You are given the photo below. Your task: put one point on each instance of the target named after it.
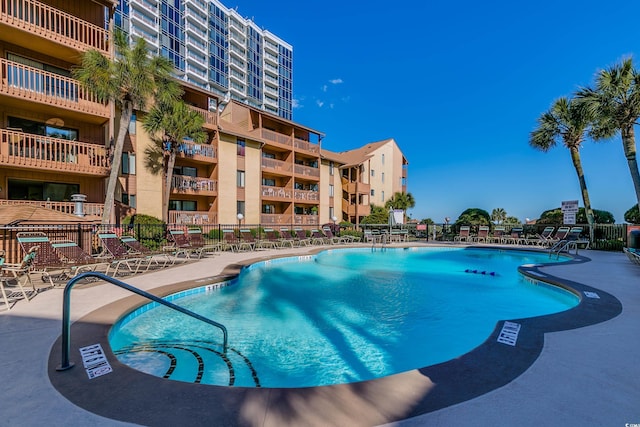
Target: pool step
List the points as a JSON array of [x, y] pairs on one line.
[[190, 361]]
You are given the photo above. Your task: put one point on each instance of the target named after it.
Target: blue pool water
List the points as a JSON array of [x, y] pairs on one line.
[[336, 317]]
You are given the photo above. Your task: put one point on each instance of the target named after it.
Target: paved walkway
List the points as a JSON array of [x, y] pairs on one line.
[[584, 377]]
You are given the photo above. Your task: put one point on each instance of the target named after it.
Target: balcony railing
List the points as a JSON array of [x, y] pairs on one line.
[[304, 145], [203, 152], [53, 24], [276, 165], [306, 170], [312, 196], [351, 208], [42, 152], [194, 185], [276, 192], [210, 117], [275, 219], [305, 219], [33, 84], [192, 217], [92, 209], [277, 137]]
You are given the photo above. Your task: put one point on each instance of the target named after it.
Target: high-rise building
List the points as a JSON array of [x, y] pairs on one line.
[[215, 48]]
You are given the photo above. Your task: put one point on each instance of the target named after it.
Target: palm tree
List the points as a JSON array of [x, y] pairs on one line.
[[498, 215], [402, 201], [128, 81], [615, 102], [176, 121], [569, 122]]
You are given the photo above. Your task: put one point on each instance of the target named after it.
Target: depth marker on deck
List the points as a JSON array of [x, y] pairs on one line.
[[591, 295], [94, 361], [509, 333]]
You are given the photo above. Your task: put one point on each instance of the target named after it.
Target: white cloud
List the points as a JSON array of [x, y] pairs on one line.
[[331, 105], [324, 88], [335, 81], [295, 103], [320, 103]]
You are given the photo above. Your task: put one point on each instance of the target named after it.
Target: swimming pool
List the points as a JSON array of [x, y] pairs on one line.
[[370, 315]]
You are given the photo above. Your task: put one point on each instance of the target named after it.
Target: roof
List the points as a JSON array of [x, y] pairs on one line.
[[30, 214], [359, 155]]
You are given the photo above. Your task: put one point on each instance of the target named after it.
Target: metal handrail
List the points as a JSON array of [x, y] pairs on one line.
[[66, 309]]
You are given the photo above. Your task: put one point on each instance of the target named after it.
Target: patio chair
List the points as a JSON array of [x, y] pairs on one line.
[[12, 277], [247, 241], [270, 240], [287, 239], [200, 246], [483, 234], [632, 254], [318, 237], [331, 238], [181, 245], [301, 236], [498, 235], [515, 236], [229, 241], [157, 260], [81, 261], [464, 235], [544, 238], [47, 263], [123, 262]]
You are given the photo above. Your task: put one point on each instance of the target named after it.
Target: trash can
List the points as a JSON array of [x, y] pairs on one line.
[[634, 239]]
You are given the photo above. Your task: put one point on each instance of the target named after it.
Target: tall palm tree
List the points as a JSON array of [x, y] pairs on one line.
[[128, 80], [615, 102], [498, 215], [569, 122], [176, 121]]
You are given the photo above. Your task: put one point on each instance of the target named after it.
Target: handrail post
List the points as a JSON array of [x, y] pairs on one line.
[[66, 309]]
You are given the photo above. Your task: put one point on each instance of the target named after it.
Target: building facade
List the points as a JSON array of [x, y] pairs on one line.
[[56, 139], [215, 48]]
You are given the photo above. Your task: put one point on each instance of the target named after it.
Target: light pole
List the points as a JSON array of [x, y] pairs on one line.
[[240, 217], [334, 219]]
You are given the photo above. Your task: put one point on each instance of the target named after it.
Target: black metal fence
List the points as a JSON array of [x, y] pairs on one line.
[[610, 237]]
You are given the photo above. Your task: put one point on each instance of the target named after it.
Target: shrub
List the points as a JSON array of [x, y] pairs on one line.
[[149, 230]]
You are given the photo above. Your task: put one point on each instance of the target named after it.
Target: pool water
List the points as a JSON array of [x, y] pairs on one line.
[[337, 317]]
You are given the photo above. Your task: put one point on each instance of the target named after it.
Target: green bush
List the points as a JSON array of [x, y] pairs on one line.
[[149, 230], [352, 233]]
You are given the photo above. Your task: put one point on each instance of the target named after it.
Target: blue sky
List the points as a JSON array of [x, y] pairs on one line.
[[459, 86]]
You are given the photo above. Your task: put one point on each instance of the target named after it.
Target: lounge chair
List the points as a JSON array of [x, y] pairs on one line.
[[464, 235], [483, 234], [80, 260], [12, 277], [46, 262], [229, 241], [181, 245], [247, 241], [515, 236], [333, 239], [287, 239], [632, 254], [196, 240], [156, 260], [301, 235], [122, 262], [270, 240], [318, 237], [498, 235]]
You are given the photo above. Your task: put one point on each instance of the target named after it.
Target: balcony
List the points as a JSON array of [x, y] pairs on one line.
[[306, 196], [192, 217], [277, 166], [276, 193], [34, 85], [353, 209], [199, 152], [357, 188], [210, 117], [90, 209], [307, 171], [181, 184], [23, 150], [37, 22], [305, 219], [275, 219], [280, 138], [306, 146]]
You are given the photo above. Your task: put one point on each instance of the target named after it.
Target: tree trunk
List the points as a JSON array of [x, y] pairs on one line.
[[125, 120], [629, 145], [577, 163], [167, 184]]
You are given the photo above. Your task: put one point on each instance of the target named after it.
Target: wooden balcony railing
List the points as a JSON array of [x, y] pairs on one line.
[[202, 152], [277, 137], [308, 171], [276, 165], [276, 192], [192, 217], [53, 24], [305, 219], [307, 146], [351, 208], [92, 209], [275, 219], [312, 196], [35, 85], [194, 185], [210, 117], [42, 152]]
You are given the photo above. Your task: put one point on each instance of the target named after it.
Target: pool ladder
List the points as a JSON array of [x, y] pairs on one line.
[[382, 240], [66, 312]]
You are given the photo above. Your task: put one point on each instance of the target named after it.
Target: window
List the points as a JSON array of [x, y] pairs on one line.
[[240, 206], [269, 182], [268, 209], [132, 124], [241, 146], [240, 179], [331, 213], [382, 177], [268, 155], [330, 190], [129, 199], [128, 165], [373, 192], [185, 171], [38, 128], [373, 172], [383, 159], [34, 190], [382, 198], [182, 205], [331, 168]]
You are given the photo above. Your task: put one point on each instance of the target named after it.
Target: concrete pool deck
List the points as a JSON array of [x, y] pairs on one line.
[[584, 376]]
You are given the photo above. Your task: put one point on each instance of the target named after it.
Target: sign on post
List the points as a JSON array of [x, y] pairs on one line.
[[569, 210]]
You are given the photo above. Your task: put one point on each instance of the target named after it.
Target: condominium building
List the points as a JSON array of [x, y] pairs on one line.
[[215, 48], [56, 139]]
